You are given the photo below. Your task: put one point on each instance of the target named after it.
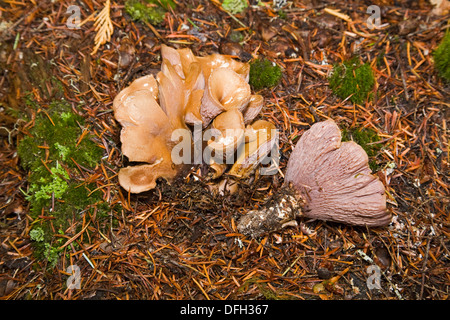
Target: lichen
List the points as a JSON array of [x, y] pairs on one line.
[[234, 6], [37, 234], [352, 79], [264, 74], [442, 57]]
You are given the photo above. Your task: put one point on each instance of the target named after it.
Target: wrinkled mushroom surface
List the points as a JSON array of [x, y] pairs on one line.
[[136, 109], [335, 178], [225, 90], [229, 133], [327, 180], [224, 81], [217, 95], [254, 108]]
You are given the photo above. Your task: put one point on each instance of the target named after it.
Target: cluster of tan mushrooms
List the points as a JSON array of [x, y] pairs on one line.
[[325, 179], [211, 92]]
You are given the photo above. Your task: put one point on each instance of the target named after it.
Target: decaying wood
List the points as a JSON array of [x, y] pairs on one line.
[[281, 211]]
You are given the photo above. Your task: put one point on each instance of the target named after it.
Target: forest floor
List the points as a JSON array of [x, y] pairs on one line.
[[179, 241]]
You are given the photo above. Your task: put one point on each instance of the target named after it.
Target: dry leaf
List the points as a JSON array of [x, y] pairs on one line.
[[103, 26]]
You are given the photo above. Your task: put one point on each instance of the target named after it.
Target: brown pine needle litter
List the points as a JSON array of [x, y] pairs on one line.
[[180, 241]]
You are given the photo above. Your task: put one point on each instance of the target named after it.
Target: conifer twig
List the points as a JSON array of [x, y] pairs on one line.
[[103, 26]]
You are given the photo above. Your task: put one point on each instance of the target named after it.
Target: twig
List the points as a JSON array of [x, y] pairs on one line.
[[103, 26], [424, 266]]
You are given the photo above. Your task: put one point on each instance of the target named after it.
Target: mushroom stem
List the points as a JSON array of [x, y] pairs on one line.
[[281, 211]]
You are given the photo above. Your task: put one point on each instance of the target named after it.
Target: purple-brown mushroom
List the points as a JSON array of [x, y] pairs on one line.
[[325, 179]]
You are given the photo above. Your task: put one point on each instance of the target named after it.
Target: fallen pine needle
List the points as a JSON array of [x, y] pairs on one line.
[[201, 288], [338, 14]]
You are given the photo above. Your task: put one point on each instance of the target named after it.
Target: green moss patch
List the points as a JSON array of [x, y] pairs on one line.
[[150, 11], [264, 74], [442, 57], [53, 150], [366, 138], [58, 130], [352, 79]]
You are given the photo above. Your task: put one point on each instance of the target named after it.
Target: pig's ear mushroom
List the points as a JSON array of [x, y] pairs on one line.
[[254, 108], [335, 179], [231, 132], [216, 61], [225, 90], [173, 58], [145, 136], [262, 137], [326, 180], [140, 178], [144, 123]]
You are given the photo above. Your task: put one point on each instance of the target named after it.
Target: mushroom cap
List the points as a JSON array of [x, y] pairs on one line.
[[225, 90], [137, 179], [145, 83], [218, 168], [188, 90], [144, 124], [215, 61], [147, 127], [194, 77], [254, 108], [224, 186], [261, 139], [173, 95], [335, 179], [231, 129], [186, 58], [192, 115], [182, 59], [173, 57]]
